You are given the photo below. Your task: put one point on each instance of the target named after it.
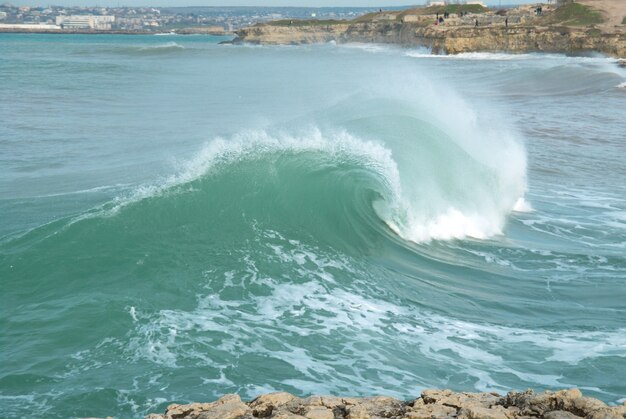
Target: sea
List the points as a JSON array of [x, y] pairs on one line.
[[181, 219]]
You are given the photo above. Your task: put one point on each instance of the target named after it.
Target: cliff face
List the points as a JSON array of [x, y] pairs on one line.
[[450, 40], [531, 39], [287, 35]]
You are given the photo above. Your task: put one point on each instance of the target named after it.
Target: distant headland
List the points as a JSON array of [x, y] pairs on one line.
[[569, 27]]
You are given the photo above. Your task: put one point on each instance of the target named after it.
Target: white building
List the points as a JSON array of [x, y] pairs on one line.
[[102, 23]]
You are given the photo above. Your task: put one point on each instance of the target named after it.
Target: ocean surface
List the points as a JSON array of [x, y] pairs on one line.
[[181, 219]]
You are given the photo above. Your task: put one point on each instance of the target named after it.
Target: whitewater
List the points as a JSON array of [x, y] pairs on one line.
[[181, 219]]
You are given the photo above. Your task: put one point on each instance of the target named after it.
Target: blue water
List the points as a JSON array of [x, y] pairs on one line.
[[181, 219]]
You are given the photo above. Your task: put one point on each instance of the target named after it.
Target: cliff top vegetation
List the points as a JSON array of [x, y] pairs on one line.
[[574, 14], [306, 22], [568, 13]]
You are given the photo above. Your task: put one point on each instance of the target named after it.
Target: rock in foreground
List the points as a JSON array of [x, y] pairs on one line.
[[564, 404]]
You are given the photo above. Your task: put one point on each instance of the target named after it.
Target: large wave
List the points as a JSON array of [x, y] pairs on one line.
[[427, 170], [433, 189]]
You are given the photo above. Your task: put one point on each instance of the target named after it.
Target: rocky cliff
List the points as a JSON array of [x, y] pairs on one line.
[[526, 39], [565, 404], [514, 39], [518, 31], [286, 35]]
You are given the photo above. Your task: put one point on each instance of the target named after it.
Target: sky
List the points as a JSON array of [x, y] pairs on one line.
[[303, 3]]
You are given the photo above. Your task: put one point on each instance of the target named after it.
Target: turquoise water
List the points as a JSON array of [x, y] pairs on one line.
[[182, 219]]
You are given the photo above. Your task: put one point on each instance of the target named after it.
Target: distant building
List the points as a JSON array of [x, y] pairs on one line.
[[3, 15], [102, 23], [436, 3], [478, 2]]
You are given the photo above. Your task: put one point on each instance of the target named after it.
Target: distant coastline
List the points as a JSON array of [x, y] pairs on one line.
[[571, 28]]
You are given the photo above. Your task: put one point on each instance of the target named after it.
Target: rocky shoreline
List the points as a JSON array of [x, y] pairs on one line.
[[564, 404], [514, 31]]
